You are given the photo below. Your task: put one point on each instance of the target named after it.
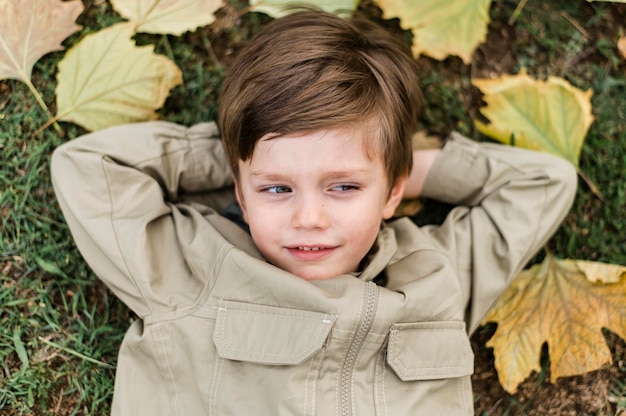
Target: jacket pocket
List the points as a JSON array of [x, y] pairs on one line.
[[268, 334], [430, 350], [426, 370], [268, 359]]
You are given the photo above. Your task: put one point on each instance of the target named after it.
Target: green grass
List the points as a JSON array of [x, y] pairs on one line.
[[60, 328], [53, 312]]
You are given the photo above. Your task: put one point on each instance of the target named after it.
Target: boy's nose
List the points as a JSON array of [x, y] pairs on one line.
[[310, 213]]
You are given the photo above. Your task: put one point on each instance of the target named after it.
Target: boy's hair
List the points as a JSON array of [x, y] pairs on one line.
[[313, 70]]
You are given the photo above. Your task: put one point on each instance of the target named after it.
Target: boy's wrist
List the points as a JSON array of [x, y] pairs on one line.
[[423, 161], [455, 175]]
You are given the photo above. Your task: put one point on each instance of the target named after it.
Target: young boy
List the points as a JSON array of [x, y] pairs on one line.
[[312, 303]]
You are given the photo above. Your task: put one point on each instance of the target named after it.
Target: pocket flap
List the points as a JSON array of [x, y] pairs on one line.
[[269, 334], [430, 350]]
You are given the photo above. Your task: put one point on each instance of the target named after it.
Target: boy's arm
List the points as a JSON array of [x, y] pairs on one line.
[[422, 162], [509, 202], [117, 189]]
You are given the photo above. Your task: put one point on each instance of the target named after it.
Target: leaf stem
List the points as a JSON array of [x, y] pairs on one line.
[[547, 250], [43, 105], [592, 186], [52, 120], [518, 10], [168, 47], [209, 47]]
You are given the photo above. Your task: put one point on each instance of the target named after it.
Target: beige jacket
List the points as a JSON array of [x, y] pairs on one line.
[[222, 332]]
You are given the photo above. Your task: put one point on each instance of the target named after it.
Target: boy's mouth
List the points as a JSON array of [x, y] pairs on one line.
[[311, 252]]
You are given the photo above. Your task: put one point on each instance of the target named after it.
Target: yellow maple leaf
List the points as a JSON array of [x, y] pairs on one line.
[[441, 27], [551, 116], [279, 8], [106, 80], [29, 29], [555, 303], [173, 17]]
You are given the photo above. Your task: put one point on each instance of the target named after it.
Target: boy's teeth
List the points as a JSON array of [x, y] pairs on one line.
[[309, 248]]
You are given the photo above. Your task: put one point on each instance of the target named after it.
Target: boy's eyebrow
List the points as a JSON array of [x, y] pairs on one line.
[[336, 174], [267, 175]]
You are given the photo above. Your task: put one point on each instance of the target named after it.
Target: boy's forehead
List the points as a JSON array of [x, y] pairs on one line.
[[366, 138]]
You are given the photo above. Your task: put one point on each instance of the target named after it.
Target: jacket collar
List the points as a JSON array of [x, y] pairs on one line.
[[380, 255]]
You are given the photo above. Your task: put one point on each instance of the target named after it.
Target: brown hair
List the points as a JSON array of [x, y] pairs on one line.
[[313, 70]]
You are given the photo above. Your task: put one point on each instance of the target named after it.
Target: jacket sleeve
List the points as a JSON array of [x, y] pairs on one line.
[[118, 190], [509, 201]]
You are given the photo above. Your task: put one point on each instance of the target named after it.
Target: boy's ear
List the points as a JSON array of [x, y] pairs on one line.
[[395, 197], [240, 201]]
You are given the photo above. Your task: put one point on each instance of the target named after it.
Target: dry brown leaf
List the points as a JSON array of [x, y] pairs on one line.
[[29, 29], [408, 207], [556, 303]]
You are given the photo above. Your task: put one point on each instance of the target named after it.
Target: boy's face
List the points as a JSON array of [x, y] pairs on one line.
[[315, 201]]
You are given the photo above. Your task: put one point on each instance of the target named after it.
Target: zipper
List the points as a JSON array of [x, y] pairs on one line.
[[367, 319]]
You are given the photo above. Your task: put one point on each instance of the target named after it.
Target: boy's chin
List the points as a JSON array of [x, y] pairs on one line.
[[317, 274], [315, 270]]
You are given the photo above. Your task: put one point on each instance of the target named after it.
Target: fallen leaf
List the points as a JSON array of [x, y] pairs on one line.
[[551, 116], [621, 45], [106, 80], [173, 17], [29, 29], [601, 272], [421, 140], [279, 8], [441, 27], [555, 303], [408, 207]]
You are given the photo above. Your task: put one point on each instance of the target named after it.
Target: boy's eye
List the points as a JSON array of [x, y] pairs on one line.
[[276, 189], [345, 187]]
